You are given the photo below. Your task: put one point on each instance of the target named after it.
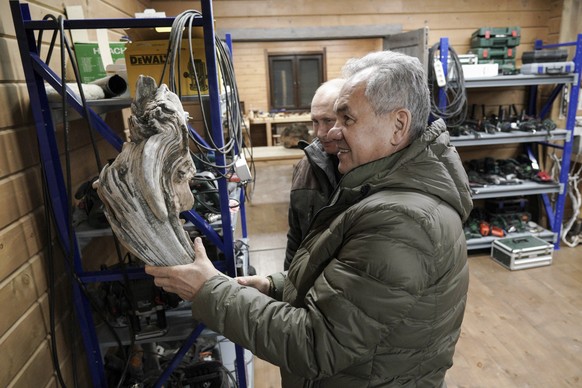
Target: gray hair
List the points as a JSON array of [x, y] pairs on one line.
[[393, 81]]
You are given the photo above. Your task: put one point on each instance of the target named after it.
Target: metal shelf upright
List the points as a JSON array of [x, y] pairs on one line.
[[37, 72], [555, 212]]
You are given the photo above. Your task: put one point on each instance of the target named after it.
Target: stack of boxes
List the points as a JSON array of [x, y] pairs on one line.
[[496, 45]]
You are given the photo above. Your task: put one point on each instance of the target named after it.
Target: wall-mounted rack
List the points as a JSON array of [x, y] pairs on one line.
[[37, 72]]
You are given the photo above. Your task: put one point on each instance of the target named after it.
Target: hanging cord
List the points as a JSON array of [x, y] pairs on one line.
[[53, 38], [51, 281], [574, 180], [455, 111], [71, 237], [233, 117], [49, 239], [67, 46]]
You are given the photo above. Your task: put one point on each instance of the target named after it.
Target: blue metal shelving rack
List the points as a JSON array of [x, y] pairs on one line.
[[555, 212], [37, 72]]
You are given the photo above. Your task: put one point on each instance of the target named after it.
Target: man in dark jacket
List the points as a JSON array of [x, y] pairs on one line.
[[376, 292], [316, 175]]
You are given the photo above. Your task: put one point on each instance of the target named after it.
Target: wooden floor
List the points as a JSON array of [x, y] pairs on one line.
[[521, 328]]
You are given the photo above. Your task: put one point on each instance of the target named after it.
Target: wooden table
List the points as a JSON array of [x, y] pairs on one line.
[[269, 121]]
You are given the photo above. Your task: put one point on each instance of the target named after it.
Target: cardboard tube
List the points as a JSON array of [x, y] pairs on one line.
[[113, 85]]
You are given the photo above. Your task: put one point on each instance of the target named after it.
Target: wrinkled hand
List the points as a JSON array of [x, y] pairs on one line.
[[261, 283], [185, 280]]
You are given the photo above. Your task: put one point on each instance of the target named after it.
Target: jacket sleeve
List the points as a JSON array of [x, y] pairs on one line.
[[293, 236], [294, 215], [346, 313]]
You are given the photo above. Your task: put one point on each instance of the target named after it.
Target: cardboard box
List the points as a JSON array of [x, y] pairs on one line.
[[89, 59], [522, 252], [149, 56], [480, 70]]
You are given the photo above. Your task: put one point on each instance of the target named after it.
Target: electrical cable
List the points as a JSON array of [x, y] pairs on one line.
[[574, 180], [51, 282], [129, 296], [50, 256], [455, 110], [53, 38], [64, 111], [233, 116]]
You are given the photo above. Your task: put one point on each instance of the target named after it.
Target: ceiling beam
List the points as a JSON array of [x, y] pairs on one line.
[[310, 33]]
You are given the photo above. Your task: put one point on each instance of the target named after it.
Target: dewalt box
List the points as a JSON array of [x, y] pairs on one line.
[[149, 56], [522, 252]]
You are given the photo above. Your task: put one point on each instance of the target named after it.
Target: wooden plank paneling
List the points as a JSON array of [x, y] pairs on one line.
[[436, 21], [35, 373], [20, 193], [18, 150], [101, 250], [37, 12], [39, 275], [493, 99], [128, 8], [258, 8], [25, 356], [456, 20], [252, 80], [14, 98], [63, 305], [17, 294], [11, 65], [20, 241], [20, 343]]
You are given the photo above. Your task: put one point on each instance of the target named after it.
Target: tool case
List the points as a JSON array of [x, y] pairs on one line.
[[548, 68], [505, 66], [542, 56], [494, 52], [496, 37], [522, 252]]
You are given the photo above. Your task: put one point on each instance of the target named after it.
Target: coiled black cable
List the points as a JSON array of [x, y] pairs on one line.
[[232, 118], [455, 108]]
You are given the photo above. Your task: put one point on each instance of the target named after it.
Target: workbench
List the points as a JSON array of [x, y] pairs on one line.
[[269, 121]]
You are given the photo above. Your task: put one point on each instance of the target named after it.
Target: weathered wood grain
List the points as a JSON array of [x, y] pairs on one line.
[[147, 185]]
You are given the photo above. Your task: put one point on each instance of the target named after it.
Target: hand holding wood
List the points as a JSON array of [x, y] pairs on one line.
[[185, 280]]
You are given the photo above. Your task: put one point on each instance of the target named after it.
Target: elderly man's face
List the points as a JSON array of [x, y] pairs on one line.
[[323, 119], [361, 135]]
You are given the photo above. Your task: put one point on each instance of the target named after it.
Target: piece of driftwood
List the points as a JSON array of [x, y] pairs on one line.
[[147, 186]]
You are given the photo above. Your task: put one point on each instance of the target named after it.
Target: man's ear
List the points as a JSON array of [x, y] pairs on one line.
[[402, 120]]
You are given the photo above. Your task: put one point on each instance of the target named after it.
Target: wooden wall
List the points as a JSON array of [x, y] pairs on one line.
[[25, 356], [24, 327], [457, 20]]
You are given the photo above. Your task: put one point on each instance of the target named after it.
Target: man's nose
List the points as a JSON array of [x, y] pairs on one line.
[[335, 133]]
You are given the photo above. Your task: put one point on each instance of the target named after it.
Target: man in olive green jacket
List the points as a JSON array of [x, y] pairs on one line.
[[376, 293]]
